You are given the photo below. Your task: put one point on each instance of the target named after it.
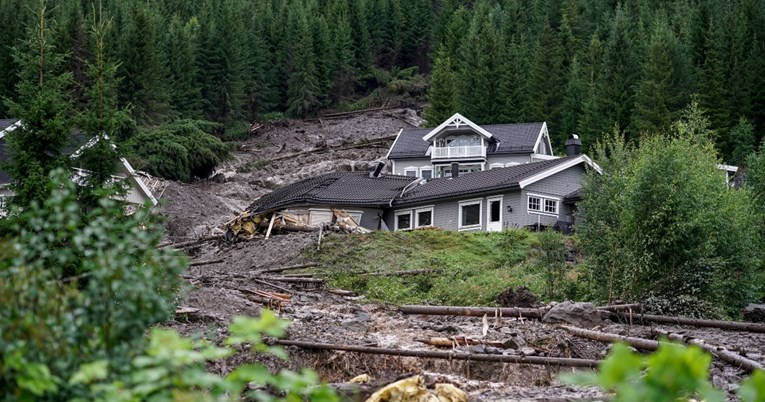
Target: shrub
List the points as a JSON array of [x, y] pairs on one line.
[[179, 151], [551, 260], [76, 288]]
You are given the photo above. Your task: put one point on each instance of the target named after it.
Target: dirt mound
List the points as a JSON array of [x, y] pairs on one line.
[[521, 297]]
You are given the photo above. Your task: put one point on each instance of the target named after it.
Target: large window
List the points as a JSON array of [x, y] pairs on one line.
[[411, 219], [470, 214], [543, 204], [424, 217], [446, 170], [404, 220]]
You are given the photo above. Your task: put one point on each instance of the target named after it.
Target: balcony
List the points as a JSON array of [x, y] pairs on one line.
[[458, 152]]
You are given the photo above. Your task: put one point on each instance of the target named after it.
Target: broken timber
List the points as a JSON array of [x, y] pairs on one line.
[[287, 268], [296, 280], [718, 352], [507, 312], [545, 361], [455, 341], [210, 262], [639, 343], [696, 322], [189, 243]]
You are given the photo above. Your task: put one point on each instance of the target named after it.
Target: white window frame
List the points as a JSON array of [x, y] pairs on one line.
[[423, 169], [496, 166], [508, 164], [401, 213], [417, 216], [501, 200], [542, 201], [466, 203], [411, 169]]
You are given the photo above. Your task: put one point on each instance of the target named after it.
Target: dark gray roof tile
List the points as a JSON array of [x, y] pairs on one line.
[[511, 138]]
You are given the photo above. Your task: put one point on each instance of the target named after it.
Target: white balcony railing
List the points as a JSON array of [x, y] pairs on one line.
[[458, 152]]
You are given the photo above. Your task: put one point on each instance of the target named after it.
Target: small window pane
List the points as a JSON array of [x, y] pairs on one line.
[[424, 218], [471, 214], [551, 206], [404, 221], [494, 205], [535, 204], [411, 173], [427, 174]]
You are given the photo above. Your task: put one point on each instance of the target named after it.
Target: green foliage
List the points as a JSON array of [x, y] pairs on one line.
[[77, 288], [173, 368], [441, 95], [178, 151], [551, 261], [672, 373], [42, 102], [471, 268], [646, 224], [742, 141]]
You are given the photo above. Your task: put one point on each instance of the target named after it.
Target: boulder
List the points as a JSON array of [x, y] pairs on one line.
[[754, 312], [521, 297], [583, 315]]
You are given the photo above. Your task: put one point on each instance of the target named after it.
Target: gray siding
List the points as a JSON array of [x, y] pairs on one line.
[[557, 185], [401, 164]]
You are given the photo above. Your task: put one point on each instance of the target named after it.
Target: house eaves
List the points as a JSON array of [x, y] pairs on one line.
[[457, 120]]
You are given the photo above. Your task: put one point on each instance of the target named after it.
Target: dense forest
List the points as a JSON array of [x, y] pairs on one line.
[[583, 66]]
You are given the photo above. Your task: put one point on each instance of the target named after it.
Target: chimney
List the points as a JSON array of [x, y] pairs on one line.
[[376, 173], [573, 145], [455, 170]]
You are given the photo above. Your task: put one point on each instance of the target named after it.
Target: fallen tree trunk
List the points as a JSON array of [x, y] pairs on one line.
[[342, 292], [287, 268], [696, 322], [460, 341], [718, 352], [397, 273], [296, 280], [325, 149], [506, 312], [355, 112], [636, 307], [545, 361], [639, 343], [288, 228], [210, 262]]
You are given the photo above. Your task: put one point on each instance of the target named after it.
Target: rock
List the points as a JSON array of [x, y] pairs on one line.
[[754, 312], [354, 325], [477, 349], [447, 328], [219, 178], [515, 342], [527, 351], [521, 297], [580, 314]]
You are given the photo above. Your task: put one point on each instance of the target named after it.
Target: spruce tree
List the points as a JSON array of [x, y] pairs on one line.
[[573, 101], [742, 142], [12, 22], [44, 107], [441, 95], [181, 48], [302, 86], [547, 81]]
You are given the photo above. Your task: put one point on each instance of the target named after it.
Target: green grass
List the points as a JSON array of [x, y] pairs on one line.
[[473, 267]]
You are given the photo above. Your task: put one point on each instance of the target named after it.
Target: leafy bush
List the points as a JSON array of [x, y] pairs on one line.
[[173, 368], [672, 373], [178, 151], [551, 260], [76, 288], [662, 222]]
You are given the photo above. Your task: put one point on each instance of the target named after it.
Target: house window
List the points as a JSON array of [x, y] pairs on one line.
[[410, 171], [446, 170], [470, 214], [426, 173], [424, 217], [535, 204], [543, 204], [551, 206], [404, 220]]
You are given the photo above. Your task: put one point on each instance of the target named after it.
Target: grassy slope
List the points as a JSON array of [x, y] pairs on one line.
[[474, 267]]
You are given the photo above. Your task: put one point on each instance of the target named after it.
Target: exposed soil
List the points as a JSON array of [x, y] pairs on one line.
[[200, 209]]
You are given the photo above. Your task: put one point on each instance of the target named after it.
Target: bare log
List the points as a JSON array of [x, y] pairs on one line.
[[341, 292], [270, 226], [635, 307], [507, 312], [639, 343], [399, 273], [716, 351], [545, 361], [262, 282], [296, 280], [209, 262], [288, 228], [459, 341], [696, 322], [287, 268]]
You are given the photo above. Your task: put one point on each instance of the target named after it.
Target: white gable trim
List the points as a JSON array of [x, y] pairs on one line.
[[543, 134], [141, 185], [387, 156], [10, 128], [560, 168], [456, 121]]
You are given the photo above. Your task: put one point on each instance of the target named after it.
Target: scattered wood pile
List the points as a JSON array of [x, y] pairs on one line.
[[247, 225]]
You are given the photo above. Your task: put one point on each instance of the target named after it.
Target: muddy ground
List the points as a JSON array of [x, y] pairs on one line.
[[201, 208]]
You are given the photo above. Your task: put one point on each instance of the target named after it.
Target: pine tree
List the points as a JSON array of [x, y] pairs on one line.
[[44, 107], [514, 84], [303, 88], [344, 79], [662, 89], [101, 117], [441, 95], [181, 49], [13, 22], [573, 101], [742, 142], [547, 81], [712, 96]]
